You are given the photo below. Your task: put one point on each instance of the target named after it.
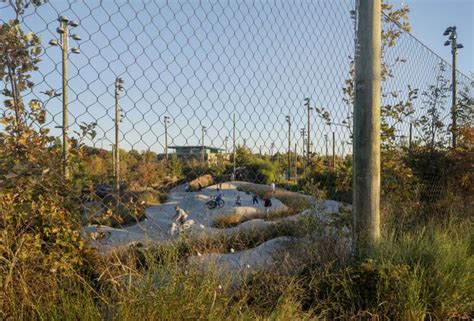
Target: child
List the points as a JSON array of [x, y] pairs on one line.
[[238, 201], [267, 203], [254, 199]]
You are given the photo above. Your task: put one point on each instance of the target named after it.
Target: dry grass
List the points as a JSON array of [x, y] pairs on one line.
[[205, 180]]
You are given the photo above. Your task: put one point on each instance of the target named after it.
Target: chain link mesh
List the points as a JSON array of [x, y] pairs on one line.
[[200, 63]]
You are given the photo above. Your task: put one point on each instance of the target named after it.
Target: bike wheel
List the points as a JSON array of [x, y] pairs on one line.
[[211, 205], [221, 203]]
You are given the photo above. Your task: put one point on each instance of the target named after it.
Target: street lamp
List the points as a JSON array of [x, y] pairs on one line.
[[63, 43], [288, 120], [226, 139], [202, 142], [452, 40], [166, 121], [118, 88], [327, 150], [303, 135], [308, 140]]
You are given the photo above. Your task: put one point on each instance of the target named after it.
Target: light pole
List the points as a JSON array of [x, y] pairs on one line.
[[334, 151], [226, 139], [308, 139], [166, 121], [233, 147], [63, 43], [303, 135], [451, 32], [203, 129], [327, 150], [296, 163], [118, 89], [272, 145], [113, 158], [288, 120]]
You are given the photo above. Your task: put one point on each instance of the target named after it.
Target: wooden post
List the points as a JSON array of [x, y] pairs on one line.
[[366, 170]]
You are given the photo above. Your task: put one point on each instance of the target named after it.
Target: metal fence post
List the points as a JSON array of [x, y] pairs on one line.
[[366, 171]]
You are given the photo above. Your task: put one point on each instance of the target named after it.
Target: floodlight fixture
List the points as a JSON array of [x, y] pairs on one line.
[[459, 46], [53, 42], [75, 51], [447, 43], [63, 19], [60, 30], [73, 23], [76, 37]]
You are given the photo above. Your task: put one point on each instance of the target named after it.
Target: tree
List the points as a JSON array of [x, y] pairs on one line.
[[434, 100]]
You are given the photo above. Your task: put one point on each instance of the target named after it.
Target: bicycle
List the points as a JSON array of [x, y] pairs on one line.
[[213, 203]]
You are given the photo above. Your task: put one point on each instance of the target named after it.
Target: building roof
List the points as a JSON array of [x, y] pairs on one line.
[[195, 147]]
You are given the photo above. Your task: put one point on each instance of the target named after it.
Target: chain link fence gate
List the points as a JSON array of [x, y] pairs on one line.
[[258, 91]]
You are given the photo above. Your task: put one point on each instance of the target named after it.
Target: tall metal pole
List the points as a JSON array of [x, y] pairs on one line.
[[327, 150], [63, 30], [296, 164], [203, 129], [113, 158], [308, 139], [334, 151], [225, 142], [303, 135], [453, 41], [166, 119], [117, 136], [65, 52], [454, 126], [233, 147], [366, 169], [288, 119]]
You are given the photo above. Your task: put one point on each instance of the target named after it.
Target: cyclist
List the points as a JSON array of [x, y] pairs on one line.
[[180, 215], [218, 196]]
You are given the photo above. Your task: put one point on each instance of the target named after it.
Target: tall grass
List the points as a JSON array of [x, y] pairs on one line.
[[419, 275]]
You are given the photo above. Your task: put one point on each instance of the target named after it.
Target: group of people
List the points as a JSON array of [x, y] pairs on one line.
[[181, 215]]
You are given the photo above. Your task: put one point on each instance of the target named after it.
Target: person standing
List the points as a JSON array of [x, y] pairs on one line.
[[254, 199], [267, 203]]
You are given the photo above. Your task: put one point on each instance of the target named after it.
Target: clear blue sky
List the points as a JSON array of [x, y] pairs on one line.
[[429, 19], [198, 62]]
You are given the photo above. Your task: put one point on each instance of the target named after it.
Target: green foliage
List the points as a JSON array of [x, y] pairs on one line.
[[434, 102], [40, 231], [323, 182], [254, 169]]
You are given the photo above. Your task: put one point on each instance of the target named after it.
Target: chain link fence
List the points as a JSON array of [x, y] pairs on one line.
[[237, 89]]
